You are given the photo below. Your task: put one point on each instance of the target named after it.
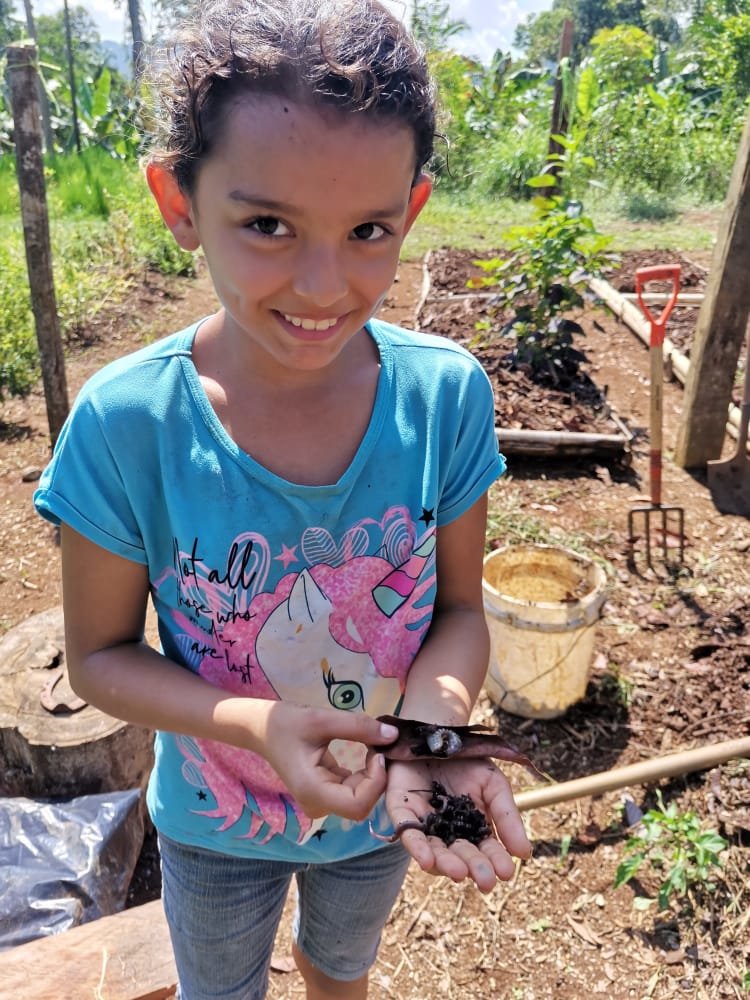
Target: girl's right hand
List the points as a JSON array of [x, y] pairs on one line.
[[296, 745]]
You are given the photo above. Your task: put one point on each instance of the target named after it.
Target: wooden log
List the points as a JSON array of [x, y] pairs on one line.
[[70, 750], [721, 326], [558, 443], [127, 956]]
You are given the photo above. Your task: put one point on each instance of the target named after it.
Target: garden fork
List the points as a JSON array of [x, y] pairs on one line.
[[662, 520]]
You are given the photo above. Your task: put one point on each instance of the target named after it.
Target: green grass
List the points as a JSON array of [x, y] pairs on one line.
[[469, 223], [86, 185], [104, 229], [463, 223]]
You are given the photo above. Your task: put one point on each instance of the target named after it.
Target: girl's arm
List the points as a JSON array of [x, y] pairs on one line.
[[111, 667], [447, 675], [442, 686]]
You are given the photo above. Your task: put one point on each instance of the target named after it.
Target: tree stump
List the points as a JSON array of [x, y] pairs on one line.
[[52, 744]]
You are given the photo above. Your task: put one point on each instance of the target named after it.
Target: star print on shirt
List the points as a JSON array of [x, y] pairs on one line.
[[288, 555], [427, 516], [319, 834], [202, 796]]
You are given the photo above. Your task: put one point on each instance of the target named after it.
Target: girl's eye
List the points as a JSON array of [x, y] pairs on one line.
[[267, 225], [369, 231]]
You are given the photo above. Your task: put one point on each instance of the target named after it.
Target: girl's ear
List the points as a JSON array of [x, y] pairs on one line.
[[420, 193], [173, 205]]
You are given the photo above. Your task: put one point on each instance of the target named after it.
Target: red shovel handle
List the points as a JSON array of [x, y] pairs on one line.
[[660, 272]]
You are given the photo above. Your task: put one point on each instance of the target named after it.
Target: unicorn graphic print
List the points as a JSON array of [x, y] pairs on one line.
[[339, 628]]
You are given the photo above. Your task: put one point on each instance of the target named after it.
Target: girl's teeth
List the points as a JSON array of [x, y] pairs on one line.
[[310, 324]]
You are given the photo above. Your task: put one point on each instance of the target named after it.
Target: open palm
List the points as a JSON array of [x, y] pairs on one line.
[[408, 792]]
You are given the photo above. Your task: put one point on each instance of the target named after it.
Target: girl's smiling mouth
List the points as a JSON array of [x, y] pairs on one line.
[[311, 324], [306, 328]]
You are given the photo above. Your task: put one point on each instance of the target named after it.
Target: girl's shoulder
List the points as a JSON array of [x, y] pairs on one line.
[[399, 336], [429, 352], [147, 362]]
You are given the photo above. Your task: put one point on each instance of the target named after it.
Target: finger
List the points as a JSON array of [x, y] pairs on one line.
[[420, 848], [503, 864], [508, 823], [358, 727], [329, 762], [354, 796], [448, 861], [479, 864]]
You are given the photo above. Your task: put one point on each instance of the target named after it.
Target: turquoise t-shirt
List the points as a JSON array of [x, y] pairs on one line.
[[320, 594]]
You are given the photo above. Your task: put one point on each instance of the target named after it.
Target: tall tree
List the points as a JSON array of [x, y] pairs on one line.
[[9, 25], [433, 26], [539, 34], [170, 11], [87, 53], [136, 34], [49, 140]]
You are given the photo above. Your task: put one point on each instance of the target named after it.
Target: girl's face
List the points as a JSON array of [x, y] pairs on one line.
[[301, 215]]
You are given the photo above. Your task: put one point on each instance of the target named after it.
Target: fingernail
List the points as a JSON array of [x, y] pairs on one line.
[[381, 760], [388, 732]]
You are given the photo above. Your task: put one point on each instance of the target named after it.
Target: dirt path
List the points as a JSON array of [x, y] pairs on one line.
[[671, 670]]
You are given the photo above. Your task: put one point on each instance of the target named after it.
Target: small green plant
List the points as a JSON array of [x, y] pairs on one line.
[[619, 687], [549, 261], [677, 847]]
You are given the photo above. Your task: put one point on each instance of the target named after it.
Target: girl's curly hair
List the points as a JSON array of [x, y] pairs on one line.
[[351, 55]]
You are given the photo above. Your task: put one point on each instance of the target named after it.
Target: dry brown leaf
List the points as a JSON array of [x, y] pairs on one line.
[[582, 929]]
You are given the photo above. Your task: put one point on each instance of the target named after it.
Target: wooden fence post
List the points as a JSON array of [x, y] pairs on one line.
[[22, 80], [721, 325], [559, 122]]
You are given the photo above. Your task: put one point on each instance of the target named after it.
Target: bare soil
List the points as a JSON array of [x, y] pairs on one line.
[[671, 671]]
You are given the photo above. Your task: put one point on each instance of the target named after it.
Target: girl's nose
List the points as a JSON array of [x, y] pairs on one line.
[[319, 276]]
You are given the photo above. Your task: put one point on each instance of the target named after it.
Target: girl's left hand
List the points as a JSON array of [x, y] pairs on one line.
[[407, 798]]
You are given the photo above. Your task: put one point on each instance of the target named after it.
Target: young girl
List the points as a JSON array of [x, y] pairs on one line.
[[300, 488]]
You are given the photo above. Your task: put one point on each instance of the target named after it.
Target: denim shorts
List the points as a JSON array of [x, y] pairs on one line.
[[223, 913]]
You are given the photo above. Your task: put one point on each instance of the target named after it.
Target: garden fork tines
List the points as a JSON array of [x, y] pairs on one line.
[[659, 520]]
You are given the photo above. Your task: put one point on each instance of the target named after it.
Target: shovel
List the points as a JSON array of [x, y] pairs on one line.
[[729, 481], [657, 517]]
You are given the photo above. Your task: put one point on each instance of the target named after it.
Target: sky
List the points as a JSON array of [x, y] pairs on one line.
[[492, 22]]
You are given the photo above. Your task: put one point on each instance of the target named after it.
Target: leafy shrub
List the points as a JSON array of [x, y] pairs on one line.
[[677, 847], [139, 224], [19, 365], [509, 161], [642, 205], [102, 234]]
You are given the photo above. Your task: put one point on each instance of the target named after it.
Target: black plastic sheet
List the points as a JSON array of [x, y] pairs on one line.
[[63, 863]]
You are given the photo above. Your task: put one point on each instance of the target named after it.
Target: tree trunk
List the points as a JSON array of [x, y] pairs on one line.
[[721, 326], [71, 75], [51, 742], [559, 123], [49, 138], [134, 9], [22, 77]]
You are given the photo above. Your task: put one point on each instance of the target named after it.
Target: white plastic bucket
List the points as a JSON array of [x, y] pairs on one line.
[[541, 604]]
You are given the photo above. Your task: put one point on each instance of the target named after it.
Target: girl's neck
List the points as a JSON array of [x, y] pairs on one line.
[[239, 365], [304, 426]]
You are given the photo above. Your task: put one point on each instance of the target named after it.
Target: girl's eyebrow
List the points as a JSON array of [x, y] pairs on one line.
[[255, 199], [270, 205]]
